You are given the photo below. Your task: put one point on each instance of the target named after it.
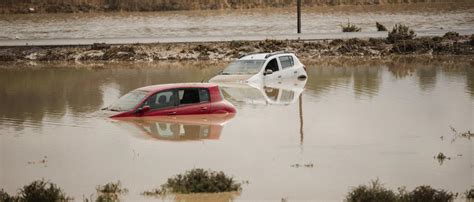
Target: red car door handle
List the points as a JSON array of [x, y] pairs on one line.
[[171, 113], [203, 108]]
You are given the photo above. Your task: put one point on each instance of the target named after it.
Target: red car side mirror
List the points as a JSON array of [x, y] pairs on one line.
[[143, 109]]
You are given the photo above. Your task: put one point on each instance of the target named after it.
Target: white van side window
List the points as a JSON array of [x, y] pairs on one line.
[[286, 61]]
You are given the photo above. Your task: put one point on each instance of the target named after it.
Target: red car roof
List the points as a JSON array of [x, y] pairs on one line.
[[155, 88]]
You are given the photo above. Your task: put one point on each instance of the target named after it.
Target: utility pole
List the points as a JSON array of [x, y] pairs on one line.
[[298, 10], [301, 119]]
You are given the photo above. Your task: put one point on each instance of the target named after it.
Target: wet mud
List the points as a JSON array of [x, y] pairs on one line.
[[449, 44]]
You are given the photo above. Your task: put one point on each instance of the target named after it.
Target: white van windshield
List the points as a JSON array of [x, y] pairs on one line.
[[244, 67]]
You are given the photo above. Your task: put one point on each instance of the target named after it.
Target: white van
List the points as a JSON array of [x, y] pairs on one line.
[[262, 67]]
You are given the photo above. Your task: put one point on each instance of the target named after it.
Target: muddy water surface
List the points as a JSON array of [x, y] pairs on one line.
[[356, 120], [421, 17]]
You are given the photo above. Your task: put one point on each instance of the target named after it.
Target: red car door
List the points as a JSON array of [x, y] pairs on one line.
[[161, 103], [193, 101]]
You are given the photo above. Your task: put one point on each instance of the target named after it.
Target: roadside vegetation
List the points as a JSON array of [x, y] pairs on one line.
[[375, 192], [400, 32], [349, 27], [380, 27]]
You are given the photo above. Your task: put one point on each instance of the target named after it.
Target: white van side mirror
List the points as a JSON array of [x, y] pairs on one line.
[[268, 71]]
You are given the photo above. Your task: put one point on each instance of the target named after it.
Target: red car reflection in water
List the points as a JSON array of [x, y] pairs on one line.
[[179, 128], [170, 100]]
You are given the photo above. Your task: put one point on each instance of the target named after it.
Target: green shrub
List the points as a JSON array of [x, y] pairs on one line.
[[201, 181], [426, 194], [41, 191], [374, 192], [5, 197], [350, 27], [400, 32], [380, 27]]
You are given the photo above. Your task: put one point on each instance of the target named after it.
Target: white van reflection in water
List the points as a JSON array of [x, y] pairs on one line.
[[283, 92]]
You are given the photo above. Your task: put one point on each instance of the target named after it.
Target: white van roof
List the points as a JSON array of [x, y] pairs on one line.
[[263, 56]]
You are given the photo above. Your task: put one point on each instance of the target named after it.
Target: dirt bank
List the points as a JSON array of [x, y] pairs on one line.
[[76, 6], [450, 44]]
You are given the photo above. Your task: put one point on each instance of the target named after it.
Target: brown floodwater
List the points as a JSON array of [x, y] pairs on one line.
[[354, 119], [326, 19]]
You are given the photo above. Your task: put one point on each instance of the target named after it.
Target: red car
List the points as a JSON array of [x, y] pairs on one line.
[[172, 99]]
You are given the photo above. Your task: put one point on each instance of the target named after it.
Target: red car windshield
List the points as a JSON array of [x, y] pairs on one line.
[[129, 101]]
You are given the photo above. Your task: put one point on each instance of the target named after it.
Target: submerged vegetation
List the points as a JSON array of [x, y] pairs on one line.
[[197, 181], [371, 193], [110, 192], [37, 191], [206, 183], [41, 190], [469, 194], [349, 27], [5, 197], [377, 192]]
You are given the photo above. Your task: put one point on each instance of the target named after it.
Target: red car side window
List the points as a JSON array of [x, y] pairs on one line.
[[193, 95], [161, 100]]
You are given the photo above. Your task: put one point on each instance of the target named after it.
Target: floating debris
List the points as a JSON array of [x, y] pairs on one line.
[[297, 165], [468, 135], [154, 192], [43, 161], [441, 158]]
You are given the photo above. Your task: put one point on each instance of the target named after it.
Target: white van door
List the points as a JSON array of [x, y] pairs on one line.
[[274, 66], [287, 64]]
